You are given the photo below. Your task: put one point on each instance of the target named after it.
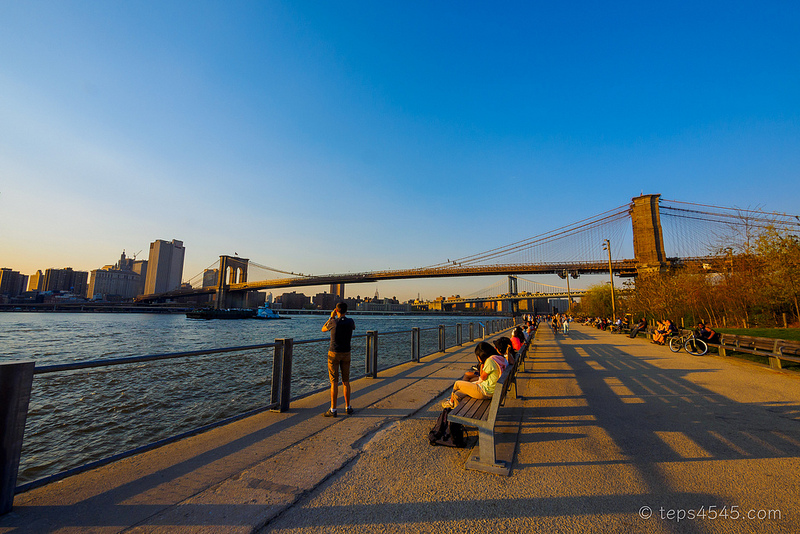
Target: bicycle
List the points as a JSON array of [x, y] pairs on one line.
[[689, 342]]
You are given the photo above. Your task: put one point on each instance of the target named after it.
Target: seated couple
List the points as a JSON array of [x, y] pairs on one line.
[[663, 330], [481, 383]]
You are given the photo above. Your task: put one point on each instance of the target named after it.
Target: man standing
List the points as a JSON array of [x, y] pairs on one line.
[[341, 329]]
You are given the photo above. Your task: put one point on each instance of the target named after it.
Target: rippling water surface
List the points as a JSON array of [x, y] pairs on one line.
[[80, 416]]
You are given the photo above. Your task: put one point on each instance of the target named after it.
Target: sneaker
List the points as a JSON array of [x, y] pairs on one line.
[[349, 410], [330, 413], [448, 404]]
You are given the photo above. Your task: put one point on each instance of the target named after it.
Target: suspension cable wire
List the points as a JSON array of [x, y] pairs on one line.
[[542, 239], [515, 247], [272, 269], [201, 274], [742, 210]]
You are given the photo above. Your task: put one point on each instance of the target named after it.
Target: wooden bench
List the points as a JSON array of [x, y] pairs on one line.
[[774, 349], [482, 414]]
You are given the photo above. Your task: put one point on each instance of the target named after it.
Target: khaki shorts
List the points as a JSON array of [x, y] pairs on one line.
[[335, 361]]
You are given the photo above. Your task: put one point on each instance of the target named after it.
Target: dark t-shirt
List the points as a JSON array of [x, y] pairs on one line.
[[341, 332]]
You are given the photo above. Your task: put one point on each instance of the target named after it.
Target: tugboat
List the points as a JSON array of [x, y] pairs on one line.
[[211, 313], [265, 312]]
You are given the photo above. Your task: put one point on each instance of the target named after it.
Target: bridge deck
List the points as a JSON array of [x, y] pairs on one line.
[[608, 426]]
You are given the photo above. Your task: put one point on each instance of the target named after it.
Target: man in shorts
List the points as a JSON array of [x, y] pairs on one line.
[[341, 329]]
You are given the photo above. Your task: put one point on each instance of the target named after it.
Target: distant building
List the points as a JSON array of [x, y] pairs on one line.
[[326, 301], [210, 277], [164, 267], [12, 283], [66, 280], [294, 301], [117, 282], [36, 281], [384, 305]]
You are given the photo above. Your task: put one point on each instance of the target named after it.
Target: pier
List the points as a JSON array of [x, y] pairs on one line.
[[610, 434]]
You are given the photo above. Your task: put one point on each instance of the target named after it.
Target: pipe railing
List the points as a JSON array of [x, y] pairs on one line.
[[16, 384]]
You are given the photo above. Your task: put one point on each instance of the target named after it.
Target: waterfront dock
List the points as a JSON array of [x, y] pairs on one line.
[[612, 434]]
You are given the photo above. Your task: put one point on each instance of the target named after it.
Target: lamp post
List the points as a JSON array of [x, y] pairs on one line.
[[607, 246]]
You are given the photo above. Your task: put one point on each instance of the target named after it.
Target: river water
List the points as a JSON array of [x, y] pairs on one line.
[[81, 416]]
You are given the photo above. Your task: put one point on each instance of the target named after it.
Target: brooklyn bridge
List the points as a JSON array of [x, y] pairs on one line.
[[664, 234]]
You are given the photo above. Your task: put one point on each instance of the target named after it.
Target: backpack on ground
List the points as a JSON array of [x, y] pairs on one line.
[[447, 433]]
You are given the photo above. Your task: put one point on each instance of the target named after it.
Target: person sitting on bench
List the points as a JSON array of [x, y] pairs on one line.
[[505, 347], [491, 367]]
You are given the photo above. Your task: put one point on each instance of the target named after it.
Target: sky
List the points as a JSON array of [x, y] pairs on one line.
[[340, 136]]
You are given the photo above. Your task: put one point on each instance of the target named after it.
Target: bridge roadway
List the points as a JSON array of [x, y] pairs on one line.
[[613, 435], [621, 267]]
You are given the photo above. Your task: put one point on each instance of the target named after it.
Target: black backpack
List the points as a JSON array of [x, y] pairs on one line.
[[446, 433]]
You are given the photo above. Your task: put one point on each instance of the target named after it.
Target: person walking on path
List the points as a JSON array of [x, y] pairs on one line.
[[341, 329]]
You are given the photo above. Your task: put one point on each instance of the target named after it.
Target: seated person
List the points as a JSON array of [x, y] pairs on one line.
[[506, 349], [492, 366], [517, 338], [641, 325], [705, 333], [660, 333]]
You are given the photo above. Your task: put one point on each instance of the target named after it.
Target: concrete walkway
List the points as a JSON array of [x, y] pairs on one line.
[[612, 434]]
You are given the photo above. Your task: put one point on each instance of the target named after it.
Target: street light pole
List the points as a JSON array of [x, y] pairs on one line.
[[607, 246]]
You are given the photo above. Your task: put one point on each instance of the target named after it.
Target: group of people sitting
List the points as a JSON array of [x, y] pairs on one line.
[[663, 330], [480, 381]]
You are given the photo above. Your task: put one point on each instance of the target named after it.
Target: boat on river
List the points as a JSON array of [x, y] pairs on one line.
[[265, 312], [211, 313]]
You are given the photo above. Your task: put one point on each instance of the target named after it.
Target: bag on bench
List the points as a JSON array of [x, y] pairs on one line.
[[447, 433]]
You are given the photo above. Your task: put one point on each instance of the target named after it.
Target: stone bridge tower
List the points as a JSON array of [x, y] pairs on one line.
[[648, 241], [232, 270]]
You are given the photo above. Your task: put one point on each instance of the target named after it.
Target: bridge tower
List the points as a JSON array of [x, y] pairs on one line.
[[513, 289], [648, 241], [232, 270]]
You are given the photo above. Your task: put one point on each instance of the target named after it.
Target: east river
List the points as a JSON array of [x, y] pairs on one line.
[[80, 416]]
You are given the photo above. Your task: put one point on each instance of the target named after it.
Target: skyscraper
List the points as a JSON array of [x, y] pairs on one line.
[[164, 266]]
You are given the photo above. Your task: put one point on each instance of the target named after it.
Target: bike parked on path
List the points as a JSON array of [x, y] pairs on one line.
[[690, 343]]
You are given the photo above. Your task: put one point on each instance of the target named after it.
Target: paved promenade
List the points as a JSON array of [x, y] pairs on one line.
[[612, 435]]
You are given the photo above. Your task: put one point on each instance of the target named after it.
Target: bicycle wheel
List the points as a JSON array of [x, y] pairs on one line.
[[675, 343], [695, 346]]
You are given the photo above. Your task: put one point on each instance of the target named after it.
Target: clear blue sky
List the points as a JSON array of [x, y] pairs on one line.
[[339, 136]]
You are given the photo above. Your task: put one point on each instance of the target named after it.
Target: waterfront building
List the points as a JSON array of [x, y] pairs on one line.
[[210, 277], [36, 281], [294, 301], [117, 282], [164, 266], [326, 301], [67, 280], [12, 283], [383, 305]]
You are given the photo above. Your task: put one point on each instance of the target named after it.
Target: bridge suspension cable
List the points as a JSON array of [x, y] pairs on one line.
[[580, 241], [693, 229]]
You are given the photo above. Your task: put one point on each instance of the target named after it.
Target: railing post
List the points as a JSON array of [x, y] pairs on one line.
[[415, 344], [775, 361], [458, 334], [16, 381], [471, 332], [282, 374], [375, 354], [441, 338], [371, 363]]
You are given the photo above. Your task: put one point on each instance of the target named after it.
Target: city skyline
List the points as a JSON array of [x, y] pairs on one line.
[[339, 137]]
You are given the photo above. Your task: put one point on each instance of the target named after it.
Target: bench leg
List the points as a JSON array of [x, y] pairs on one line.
[[487, 461]]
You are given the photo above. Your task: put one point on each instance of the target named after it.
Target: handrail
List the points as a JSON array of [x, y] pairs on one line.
[[137, 359]]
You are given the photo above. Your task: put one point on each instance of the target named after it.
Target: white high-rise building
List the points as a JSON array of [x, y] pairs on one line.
[[164, 266]]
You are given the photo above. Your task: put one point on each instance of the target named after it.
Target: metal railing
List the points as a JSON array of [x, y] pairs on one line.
[[16, 384]]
